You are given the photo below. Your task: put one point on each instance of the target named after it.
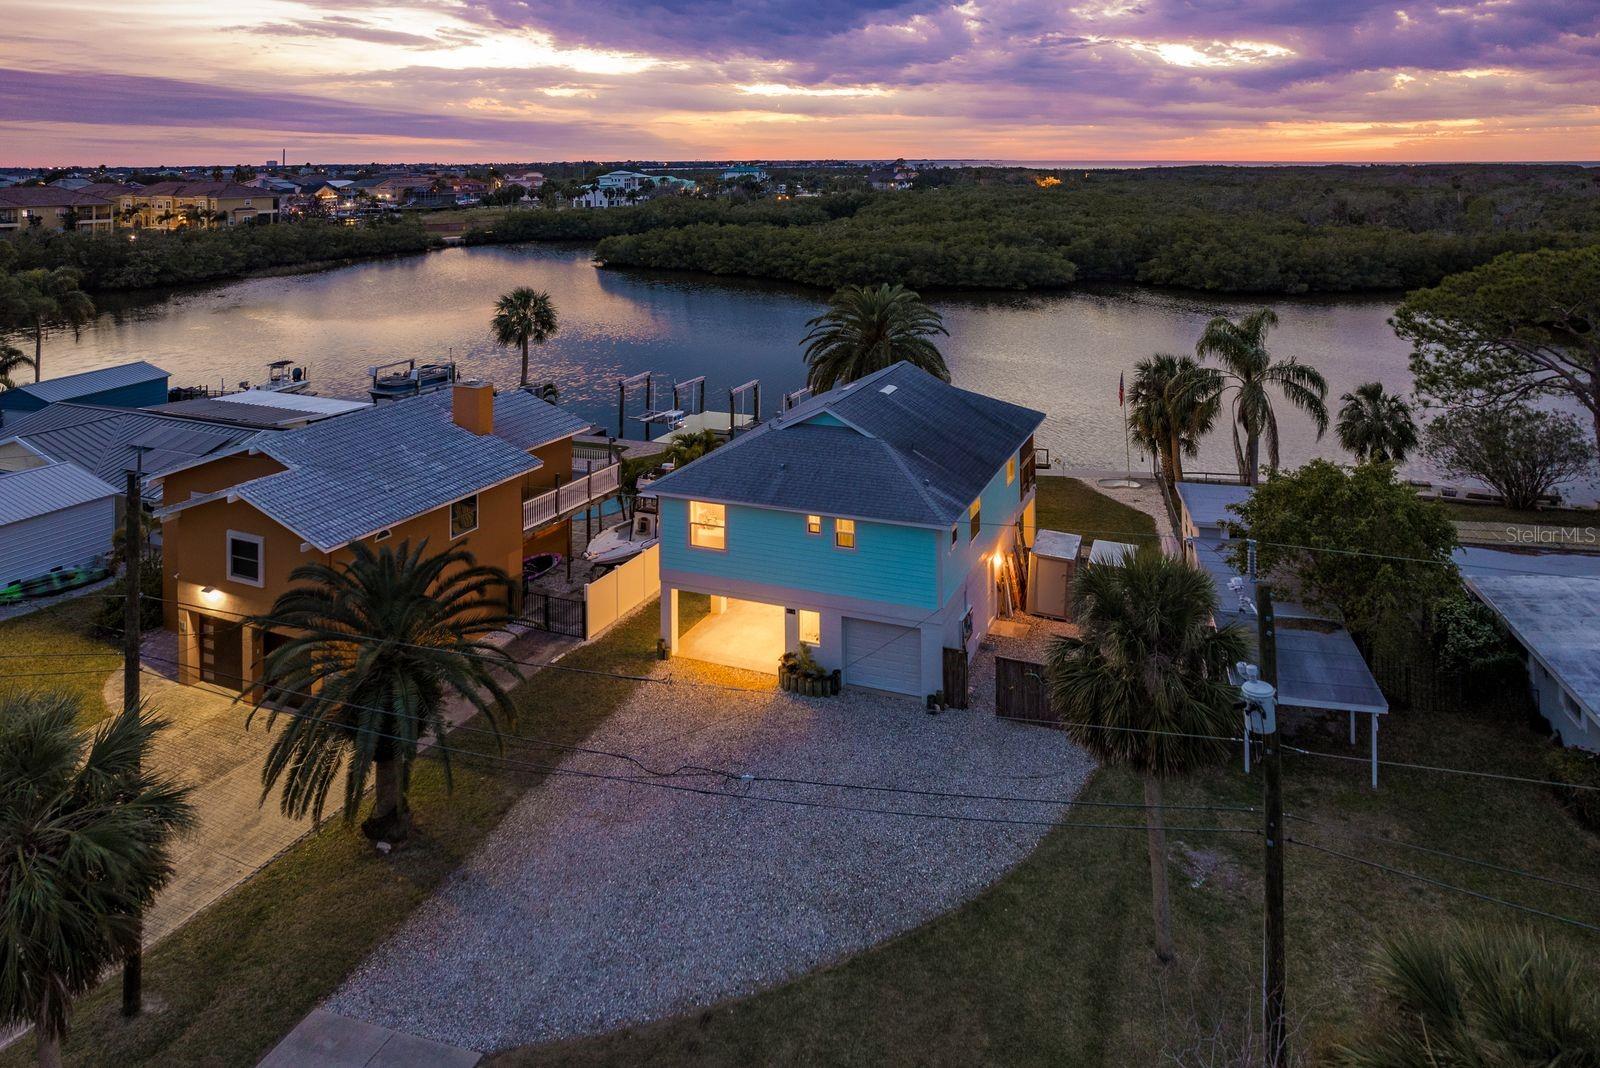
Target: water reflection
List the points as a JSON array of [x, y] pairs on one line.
[[1061, 353]]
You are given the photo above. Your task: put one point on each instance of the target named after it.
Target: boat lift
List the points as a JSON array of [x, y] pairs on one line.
[[792, 399], [738, 397], [688, 397]]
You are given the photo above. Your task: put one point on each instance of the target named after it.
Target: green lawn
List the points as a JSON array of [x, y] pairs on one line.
[[1073, 506], [56, 648], [229, 984]]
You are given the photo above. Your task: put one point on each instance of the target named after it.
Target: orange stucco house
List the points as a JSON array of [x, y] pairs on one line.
[[455, 467]]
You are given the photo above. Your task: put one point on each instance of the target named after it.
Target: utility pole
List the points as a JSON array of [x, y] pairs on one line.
[[133, 553], [1261, 694]]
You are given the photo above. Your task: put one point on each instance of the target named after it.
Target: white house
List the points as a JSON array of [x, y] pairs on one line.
[[53, 515]]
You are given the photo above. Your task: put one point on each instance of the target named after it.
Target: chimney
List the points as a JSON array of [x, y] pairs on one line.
[[472, 406]]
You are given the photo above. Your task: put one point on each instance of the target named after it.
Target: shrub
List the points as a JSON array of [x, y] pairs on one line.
[[1579, 774]]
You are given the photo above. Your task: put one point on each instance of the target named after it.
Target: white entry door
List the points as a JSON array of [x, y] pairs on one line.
[[883, 656]]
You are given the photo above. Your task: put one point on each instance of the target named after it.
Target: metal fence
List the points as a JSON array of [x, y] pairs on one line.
[[542, 610]]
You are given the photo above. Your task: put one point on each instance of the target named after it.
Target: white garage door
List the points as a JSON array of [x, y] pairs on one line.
[[883, 656]]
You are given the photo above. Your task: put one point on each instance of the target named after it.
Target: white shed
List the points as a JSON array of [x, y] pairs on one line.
[[57, 515], [1055, 559]]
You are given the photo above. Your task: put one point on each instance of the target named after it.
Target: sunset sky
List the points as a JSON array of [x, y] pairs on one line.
[[185, 81]]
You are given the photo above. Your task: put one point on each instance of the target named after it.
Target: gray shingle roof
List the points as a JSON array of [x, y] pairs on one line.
[[108, 441], [915, 450], [41, 490], [520, 418], [357, 474], [82, 385]]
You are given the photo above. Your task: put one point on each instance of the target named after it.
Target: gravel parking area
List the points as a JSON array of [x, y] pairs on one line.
[[597, 904]]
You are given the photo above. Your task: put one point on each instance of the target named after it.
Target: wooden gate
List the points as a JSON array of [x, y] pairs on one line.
[[955, 678], [1019, 691]]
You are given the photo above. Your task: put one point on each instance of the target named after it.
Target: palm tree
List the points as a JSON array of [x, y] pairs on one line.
[[377, 644], [865, 330], [1147, 660], [1376, 426], [522, 316], [684, 448], [1248, 369], [85, 826], [1174, 402], [11, 360], [43, 298], [1480, 996]]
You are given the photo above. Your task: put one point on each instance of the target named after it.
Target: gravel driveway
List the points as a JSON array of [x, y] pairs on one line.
[[598, 904]]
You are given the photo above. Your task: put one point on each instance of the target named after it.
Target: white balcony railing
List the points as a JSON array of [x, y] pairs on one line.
[[568, 498]]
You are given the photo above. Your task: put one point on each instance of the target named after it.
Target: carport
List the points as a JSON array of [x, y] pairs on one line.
[[735, 633]]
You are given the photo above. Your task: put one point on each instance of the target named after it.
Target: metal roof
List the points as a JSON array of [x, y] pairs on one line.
[[352, 476], [71, 387], [1110, 552], [901, 446], [1056, 544], [253, 416], [306, 403], [1207, 502], [108, 442], [520, 418], [1557, 618], [38, 491]]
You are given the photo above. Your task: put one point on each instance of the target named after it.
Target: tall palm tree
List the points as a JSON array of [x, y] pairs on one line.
[[377, 645], [1147, 660], [1480, 996], [12, 359], [42, 299], [1249, 370], [1173, 403], [866, 329], [1376, 425], [85, 826], [521, 317]]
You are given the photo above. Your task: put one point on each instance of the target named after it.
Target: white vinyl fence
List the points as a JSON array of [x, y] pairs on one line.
[[622, 590]]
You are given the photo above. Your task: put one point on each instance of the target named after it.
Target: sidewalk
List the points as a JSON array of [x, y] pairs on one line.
[[327, 1040]]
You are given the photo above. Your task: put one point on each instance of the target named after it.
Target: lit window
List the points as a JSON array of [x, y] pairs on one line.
[[464, 516], [810, 627], [813, 524], [244, 558], [977, 521], [708, 525], [844, 533], [1011, 470]]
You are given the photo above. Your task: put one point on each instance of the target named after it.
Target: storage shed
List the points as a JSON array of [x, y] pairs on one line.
[[56, 515], [128, 385], [1055, 561]]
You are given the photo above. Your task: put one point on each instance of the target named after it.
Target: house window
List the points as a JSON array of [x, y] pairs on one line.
[[813, 524], [1011, 470], [464, 516], [844, 533], [383, 535], [1572, 709], [708, 525], [954, 529], [244, 558], [810, 627], [973, 514]]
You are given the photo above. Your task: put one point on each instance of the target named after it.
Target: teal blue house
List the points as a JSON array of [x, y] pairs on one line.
[[868, 523], [128, 385]]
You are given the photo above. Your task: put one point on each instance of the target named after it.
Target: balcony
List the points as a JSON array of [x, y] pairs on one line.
[[566, 499]]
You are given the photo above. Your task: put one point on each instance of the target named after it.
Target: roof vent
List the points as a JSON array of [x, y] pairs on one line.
[[890, 388]]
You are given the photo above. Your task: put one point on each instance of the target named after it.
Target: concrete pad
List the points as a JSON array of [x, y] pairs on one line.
[[327, 1040], [748, 635]]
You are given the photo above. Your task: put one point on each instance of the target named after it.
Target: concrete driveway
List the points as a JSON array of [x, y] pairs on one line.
[[597, 904]]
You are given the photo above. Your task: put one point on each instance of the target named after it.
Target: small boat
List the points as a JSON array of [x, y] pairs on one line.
[[624, 541], [284, 377], [406, 378]]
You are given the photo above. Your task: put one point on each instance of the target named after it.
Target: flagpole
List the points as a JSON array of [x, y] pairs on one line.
[[1127, 481]]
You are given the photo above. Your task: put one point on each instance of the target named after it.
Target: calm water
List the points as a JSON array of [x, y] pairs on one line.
[[1061, 353]]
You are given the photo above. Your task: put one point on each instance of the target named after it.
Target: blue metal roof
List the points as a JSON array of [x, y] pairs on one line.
[[39, 491], [901, 446], [71, 387], [1207, 502], [352, 476]]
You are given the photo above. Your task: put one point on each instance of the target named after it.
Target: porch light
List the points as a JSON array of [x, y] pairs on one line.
[[211, 593]]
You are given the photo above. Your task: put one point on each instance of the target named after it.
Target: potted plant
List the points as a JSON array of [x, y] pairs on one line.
[[799, 672]]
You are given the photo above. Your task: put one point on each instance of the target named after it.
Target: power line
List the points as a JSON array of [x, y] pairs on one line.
[[1443, 770], [1444, 885]]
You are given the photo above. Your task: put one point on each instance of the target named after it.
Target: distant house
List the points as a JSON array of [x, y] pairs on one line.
[[1556, 621], [639, 181], [532, 181], [602, 198], [745, 172], [53, 515], [176, 205], [49, 207], [892, 178], [128, 385], [871, 524]]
